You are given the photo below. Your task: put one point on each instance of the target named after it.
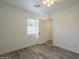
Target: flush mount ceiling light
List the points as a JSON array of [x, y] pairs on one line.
[[48, 3]]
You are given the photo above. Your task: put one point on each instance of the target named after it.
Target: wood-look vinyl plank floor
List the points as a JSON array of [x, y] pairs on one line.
[[41, 52]]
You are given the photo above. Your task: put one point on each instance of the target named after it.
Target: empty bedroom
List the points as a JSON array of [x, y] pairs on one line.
[[39, 29]]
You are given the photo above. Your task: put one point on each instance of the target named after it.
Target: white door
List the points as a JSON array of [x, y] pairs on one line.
[[42, 32], [33, 30]]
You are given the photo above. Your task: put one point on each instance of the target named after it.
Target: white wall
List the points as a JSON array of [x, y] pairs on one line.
[[13, 24], [13, 33], [66, 28]]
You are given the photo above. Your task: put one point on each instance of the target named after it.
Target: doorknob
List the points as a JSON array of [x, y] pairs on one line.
[[39, 32]]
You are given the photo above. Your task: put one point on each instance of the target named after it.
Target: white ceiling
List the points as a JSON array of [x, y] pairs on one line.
[[42, 10]]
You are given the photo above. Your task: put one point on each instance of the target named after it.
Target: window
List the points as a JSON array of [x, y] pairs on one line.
[[32, 26]]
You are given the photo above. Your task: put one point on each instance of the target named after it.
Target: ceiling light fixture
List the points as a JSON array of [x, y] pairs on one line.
[[48, 3]]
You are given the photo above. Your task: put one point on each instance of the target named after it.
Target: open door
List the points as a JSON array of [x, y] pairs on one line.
[[42, 30], [33, 30], [45, 30]]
